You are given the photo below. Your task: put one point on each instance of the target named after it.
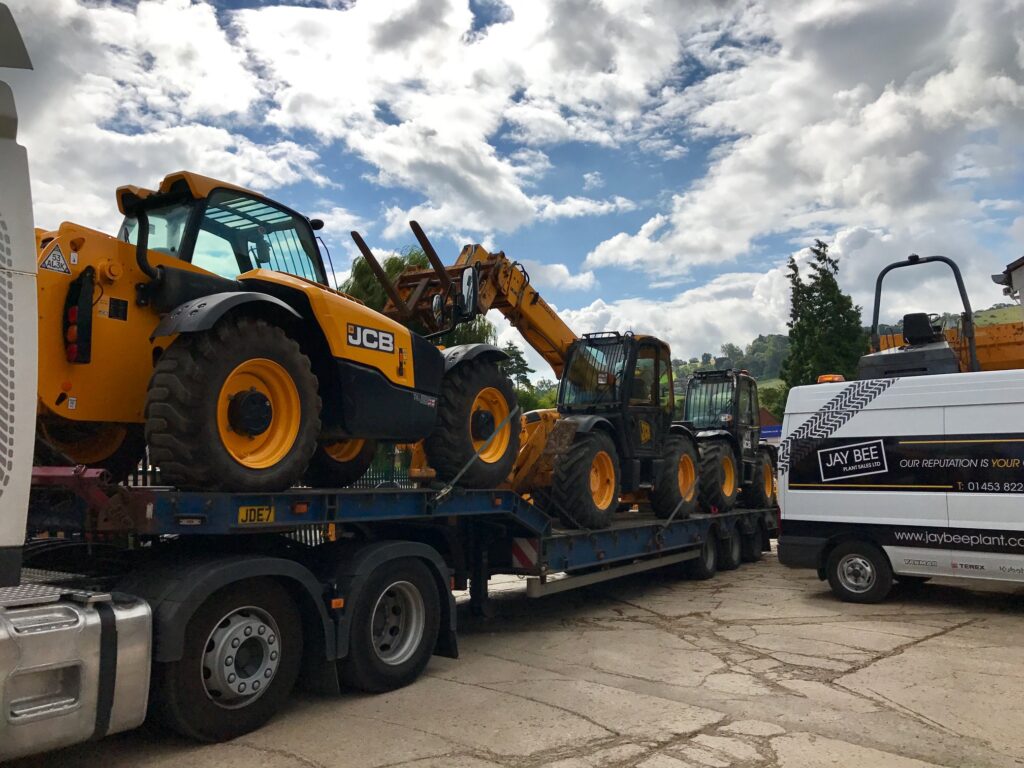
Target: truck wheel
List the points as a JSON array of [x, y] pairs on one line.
[[752, 544], [719, 477], [730, 550], [859, 572], [675, 491], [705, 565], [395, 621], [760, 494], [117, 448], [233, 408], [475, 399], [585, 487], [340, 463], [242, 653]]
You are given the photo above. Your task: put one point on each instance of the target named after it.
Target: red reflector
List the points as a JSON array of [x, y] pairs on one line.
[[72, 352], [72, 334], [72, 314]]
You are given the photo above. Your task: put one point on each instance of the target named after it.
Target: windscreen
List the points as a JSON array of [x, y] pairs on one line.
[[167, 226], [706, 401], [594, 374]]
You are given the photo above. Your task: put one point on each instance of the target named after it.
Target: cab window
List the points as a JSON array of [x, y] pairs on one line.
[[665, 381], [643, 391], [747, 413]]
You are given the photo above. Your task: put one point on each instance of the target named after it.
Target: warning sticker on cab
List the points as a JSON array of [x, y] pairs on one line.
[[255, 515]]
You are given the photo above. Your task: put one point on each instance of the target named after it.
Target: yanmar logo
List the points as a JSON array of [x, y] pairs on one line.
[[921, 563]]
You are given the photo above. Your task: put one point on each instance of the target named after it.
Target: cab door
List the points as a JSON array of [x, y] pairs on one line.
[[748, 426], [643, 408]]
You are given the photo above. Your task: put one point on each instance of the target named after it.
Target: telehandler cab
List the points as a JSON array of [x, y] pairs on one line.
[[207, 330]]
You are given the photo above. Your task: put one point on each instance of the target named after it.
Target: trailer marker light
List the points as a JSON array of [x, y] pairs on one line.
[[300, 507], [337, 603]]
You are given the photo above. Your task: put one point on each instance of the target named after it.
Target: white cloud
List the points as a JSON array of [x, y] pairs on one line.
[[592, 180], [559, 277], [573, 207]]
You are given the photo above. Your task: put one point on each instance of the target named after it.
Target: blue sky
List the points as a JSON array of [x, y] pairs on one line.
[[654, 162]]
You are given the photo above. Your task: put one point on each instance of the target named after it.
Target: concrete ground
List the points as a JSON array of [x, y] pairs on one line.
[[757, 667]]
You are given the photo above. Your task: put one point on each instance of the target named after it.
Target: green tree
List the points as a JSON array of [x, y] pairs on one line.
[[825, 333], [773, 399], [516, 367], [363, 284]]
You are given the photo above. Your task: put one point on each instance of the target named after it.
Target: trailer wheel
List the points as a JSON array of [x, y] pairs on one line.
[[859, 572], [242, 653], [719, 476], [760, 493], [705, 565], [340, 463], [752, 544], [585, 489], [730, 550], [675, 490], [395, 622]]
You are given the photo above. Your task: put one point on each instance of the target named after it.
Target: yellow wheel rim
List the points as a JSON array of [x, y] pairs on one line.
[[687, 476], [490, 406], [344, 450], [273, 444], [769, 486], [85, 443], [602, 480], [728, 476]]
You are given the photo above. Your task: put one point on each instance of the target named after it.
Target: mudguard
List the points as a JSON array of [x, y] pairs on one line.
[[465, 352], [586, 424], [202, 314]]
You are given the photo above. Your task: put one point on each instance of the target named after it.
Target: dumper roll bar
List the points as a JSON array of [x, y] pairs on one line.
[[913, 260]]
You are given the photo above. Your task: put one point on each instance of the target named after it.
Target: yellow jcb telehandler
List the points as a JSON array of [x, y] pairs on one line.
[[207, 330]]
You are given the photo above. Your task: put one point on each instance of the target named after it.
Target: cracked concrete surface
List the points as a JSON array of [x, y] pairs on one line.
[[759, 667]]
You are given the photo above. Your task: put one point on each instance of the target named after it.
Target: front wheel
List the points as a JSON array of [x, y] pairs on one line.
[[395, 622], [675, 490], [476, 435], [760, 494], [340, 463], [242, 654], [585, 488], [719, 477], [859, 572]]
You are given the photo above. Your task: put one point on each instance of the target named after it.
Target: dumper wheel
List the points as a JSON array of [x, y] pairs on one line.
[[760, 494], [395, 620], [240, 660], [117, 448], [719, 477], [340, 463], [234, 408], [675, 491], [475, 403], [585, 488]]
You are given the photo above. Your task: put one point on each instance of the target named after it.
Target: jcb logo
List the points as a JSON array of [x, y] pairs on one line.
[[370, 338], [645, 432]]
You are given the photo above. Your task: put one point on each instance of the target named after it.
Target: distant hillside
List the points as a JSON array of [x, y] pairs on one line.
[[1001, 313]]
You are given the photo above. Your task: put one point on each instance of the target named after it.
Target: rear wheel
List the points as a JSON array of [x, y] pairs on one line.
[[705, 565], [117, 448], [761, 491], [719, 476], [340, 463], [585, 489], [473, 426], [752, 544], [675, 491], [242, 654], [395, 622], [233, 408], [730, 551], [859, 572]]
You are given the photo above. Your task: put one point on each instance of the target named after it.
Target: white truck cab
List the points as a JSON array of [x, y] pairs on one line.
[[905, 479]]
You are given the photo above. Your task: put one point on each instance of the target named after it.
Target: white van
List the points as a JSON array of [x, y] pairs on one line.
[[904, 479]]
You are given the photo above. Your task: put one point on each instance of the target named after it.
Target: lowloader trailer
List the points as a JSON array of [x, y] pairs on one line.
[[209, 607]]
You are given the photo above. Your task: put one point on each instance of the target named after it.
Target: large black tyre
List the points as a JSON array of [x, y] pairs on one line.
[[752, 544], [476, 398], [705, 565], [117, 448], [675, 490], [396, 618], [341, 463], [760, 494], [585, 487], [719, 476], [210, 395], [191, 696], [730, 549], [859, 572]]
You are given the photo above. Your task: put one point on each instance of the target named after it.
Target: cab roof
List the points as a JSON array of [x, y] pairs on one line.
[[199, 186]]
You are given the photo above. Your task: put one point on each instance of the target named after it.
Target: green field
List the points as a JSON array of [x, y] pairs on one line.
[[769, 383], [996, 316]]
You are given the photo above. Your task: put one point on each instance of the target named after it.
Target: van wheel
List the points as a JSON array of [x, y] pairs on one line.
[[395, 622], [859, 572], [752, 544], [705, 565], [242, 654], [730, 551]]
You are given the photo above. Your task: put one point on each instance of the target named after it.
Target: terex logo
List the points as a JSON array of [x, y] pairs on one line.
[[967, 566], [370, 338]]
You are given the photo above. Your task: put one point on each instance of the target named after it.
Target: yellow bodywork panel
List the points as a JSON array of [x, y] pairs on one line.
[[1000, 346], [354, 331]]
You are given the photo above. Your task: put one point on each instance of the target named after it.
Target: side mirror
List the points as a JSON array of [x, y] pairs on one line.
[[470, 288], [316, 224], [262, 251], [437, 308]]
